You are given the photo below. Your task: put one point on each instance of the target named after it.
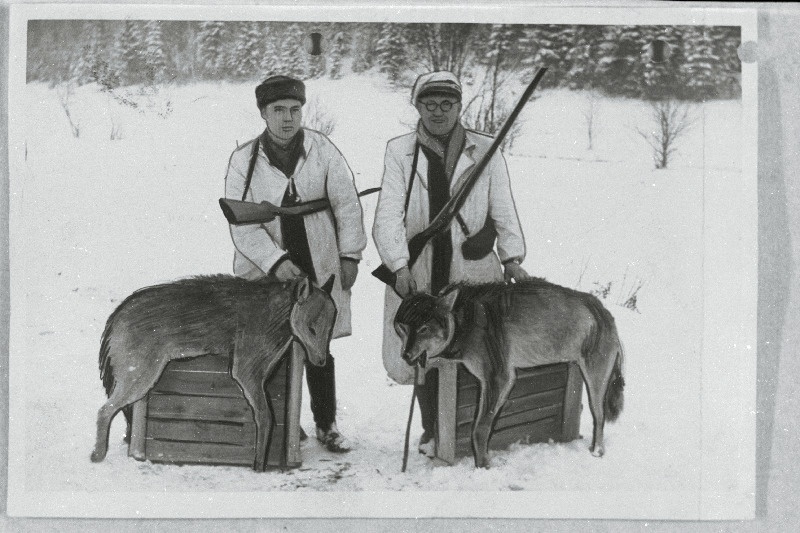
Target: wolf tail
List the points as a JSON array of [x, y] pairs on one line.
[[615, 400]]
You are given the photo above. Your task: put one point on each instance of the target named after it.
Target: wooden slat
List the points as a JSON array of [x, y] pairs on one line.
[[467, 413], [199, 408], [136, 447], [548, 378], [296, 364], [204, 363], [446, 428], [193, 452], [276, 450], [199, 383], [540, 431], [571, 417], [527, 417], [200, 431]]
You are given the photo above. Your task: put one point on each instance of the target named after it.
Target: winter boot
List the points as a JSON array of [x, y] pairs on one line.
[[333, 440], [427, 445]]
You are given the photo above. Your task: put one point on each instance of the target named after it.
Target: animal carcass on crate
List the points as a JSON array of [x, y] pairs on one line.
[[544, 404], [197, 413]]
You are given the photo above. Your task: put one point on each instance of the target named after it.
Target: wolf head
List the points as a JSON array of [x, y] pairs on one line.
[[313, 317], [426, 325]]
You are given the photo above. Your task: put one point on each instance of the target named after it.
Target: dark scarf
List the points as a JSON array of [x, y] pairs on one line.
[[447, 147], [442, 154], [293, 227], [284, 158]]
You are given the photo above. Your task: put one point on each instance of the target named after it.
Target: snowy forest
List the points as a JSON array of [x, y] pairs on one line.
[[686, 62]]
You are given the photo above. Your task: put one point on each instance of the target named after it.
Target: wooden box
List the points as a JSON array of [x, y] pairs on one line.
[[544, 404], [197, 413]]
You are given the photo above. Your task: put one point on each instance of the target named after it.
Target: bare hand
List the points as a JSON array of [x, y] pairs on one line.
[[405, 284], [287, 270], [516, 272], [349, 273]]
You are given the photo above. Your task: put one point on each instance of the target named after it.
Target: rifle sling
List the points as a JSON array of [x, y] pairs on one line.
[[250, 168]]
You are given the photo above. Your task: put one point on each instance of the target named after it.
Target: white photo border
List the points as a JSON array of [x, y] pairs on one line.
[[727, 480]]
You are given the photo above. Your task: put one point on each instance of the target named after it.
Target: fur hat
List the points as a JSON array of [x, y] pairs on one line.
[[277, 88], [438, 82]]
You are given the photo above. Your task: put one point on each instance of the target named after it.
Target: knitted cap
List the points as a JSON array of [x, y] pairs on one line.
[[277, 88], [438, 82]]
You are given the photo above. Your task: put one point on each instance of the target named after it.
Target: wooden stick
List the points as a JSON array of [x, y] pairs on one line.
[[410, 416]]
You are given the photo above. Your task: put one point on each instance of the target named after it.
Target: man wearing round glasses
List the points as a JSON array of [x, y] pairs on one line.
[[421, 171]]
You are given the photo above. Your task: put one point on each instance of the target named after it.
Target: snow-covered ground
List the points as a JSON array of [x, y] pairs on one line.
[[104, 217]]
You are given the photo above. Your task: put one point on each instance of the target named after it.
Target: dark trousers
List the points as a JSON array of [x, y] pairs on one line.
[[428, 399], [442, 254], [322, 390]]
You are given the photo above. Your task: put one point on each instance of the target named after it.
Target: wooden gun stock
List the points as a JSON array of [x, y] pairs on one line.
[[240, 213]]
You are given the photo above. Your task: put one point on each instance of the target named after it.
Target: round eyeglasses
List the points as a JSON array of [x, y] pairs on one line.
[[444, 106]]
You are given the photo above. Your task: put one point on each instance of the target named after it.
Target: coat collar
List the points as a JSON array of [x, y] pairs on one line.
[[465, 161]]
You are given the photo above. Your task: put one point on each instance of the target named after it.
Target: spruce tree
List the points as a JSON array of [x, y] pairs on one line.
[[211, 52], [701, 66], [154, 57], [390, 51], [336, 55], [131, 53]]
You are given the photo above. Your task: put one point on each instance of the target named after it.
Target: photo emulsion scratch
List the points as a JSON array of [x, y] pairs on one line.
[[410, 267]]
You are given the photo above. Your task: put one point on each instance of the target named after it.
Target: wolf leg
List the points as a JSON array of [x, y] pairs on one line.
[[127, 390], [595, 380], [253, 387], [488, 411]]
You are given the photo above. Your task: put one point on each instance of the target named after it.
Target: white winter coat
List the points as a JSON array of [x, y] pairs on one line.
[[491, 195], [332, 234]]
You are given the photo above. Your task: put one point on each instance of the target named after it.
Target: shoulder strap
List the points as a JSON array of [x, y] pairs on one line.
[[413, 175], [249, 178]]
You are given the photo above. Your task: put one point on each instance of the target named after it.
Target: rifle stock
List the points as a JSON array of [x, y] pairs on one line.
[[240, 213]]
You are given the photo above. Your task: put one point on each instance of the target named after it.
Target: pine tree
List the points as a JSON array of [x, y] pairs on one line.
[[365, 41], [726, 41], [131, 53], [621, 66], [249, 51], [211, 52], [584, 57], [154, 57], [700, 68], [390, 51], [336, 55], [291, 58]]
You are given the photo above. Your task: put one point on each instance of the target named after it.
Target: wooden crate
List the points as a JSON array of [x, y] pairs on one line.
[[197, 413], [544, 404]]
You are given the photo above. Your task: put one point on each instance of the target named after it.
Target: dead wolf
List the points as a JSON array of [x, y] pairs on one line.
[[253, 321], [495, 328]]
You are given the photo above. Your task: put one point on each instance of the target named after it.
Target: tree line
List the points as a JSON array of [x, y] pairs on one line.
[[651, 62]]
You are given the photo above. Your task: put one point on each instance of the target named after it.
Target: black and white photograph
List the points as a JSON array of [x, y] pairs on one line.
[[382, 262]]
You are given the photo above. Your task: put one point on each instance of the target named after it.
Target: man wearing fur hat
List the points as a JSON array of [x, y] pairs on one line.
[[421, 171], [288, 164]]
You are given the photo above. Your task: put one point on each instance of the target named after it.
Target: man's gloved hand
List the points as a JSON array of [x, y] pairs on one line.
[[405, 284], [287, 270], [349, 269], [514, 271]]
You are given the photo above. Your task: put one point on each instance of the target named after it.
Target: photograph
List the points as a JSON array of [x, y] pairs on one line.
[[382, 263]]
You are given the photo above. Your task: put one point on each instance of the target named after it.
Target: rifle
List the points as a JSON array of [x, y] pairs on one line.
[[445, 216], [240, 213]]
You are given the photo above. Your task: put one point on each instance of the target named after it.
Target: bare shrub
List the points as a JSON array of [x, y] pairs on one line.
[[491, 105], [670, 121], [316, 117], [65, 92], [589, 112]]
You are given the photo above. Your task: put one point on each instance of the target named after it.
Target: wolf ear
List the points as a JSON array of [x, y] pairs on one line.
[[302, 289], [328, 287], [448, 300]]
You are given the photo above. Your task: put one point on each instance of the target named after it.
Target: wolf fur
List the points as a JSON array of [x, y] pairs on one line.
[[495, 328], [254, 322]]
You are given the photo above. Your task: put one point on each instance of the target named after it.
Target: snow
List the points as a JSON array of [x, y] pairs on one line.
[[104, 217]]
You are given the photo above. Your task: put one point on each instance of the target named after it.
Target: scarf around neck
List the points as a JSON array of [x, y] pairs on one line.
[[449, 150]]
